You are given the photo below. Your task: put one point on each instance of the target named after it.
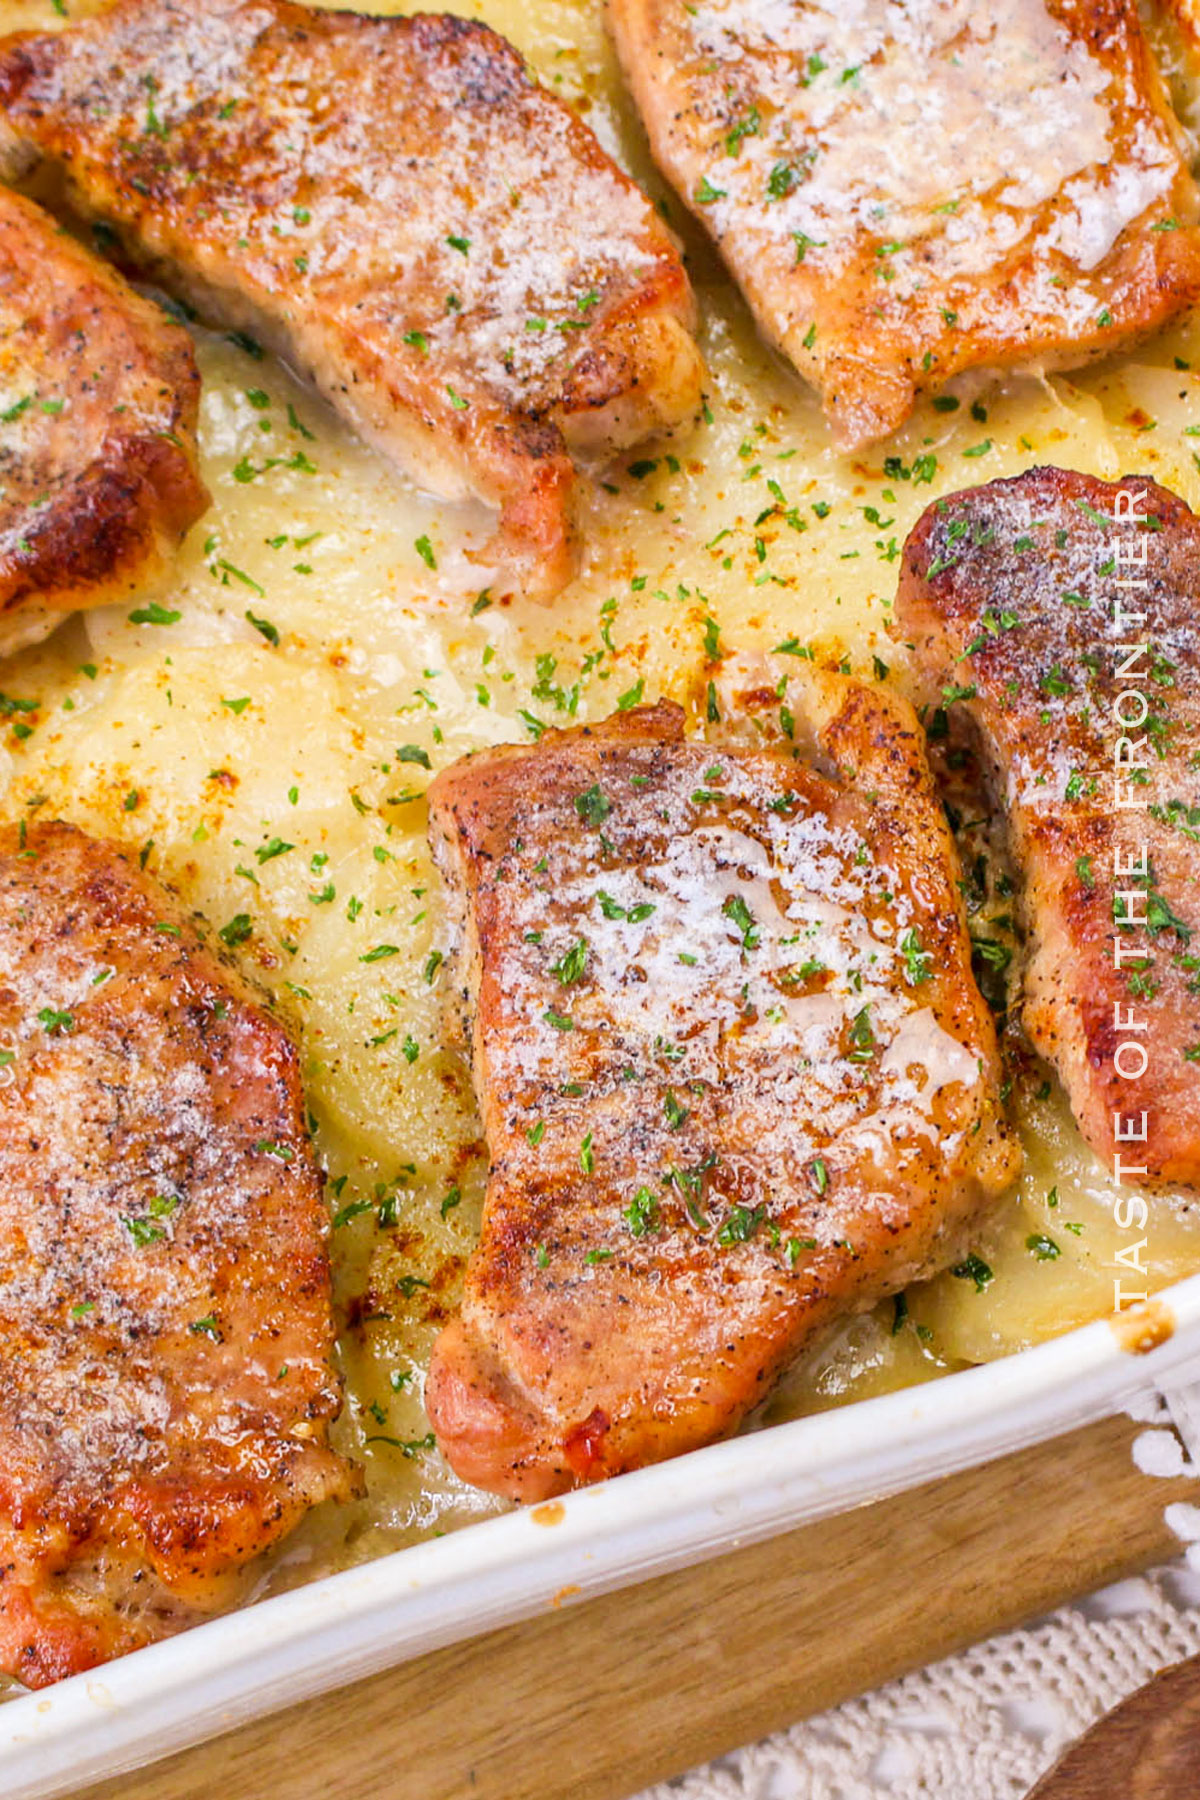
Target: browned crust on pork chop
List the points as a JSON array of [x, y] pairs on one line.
[[98, 404], [166, 1382], [1009, 594], [905, 192], [396, 206], [734, 1073]]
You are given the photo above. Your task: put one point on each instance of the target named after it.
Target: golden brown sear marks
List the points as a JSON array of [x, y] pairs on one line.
[[98, 403], [1068, 631], [734, 1073], [905, 189], [398, 208], [165, 1332]]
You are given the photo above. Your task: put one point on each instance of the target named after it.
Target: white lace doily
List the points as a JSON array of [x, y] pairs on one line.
[[985, 1724]]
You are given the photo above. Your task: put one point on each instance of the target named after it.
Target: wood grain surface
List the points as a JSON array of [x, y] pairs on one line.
[[599, 1699], [1148, 1748]]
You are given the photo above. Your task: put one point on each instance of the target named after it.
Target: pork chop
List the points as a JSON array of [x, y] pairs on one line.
[[1067, 632], [165, 1334], [98, 402], [397, 207], [905, 189], [734, 1073]]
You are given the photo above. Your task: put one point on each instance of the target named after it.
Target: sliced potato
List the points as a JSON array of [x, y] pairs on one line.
[[330, 641]]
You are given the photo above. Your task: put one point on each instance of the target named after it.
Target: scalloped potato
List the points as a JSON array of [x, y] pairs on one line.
[[265, 739]]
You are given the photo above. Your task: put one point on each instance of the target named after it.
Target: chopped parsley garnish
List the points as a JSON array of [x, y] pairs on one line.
[[781, 181], [593, 806], [742, 128], [154, 614], [408, 1447], [735, 908], [264, 627], [973, 1268], [280, 1152], [143, 1231], [612, 909], [677, 1114], [918, 963], [641, 1215], [740, 1225], [712, 639], [571, 964], [227, 568], [275, 847], [862, 1036], [1161, 917], [236, 931]]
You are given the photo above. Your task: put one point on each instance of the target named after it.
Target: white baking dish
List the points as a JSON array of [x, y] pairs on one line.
[[503, 1569]]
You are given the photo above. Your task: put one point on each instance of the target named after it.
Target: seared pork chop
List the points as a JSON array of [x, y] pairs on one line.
[[735, 1076], [395, 206], [165, 1333], [905, 189], [1067, 632], [98, 402]]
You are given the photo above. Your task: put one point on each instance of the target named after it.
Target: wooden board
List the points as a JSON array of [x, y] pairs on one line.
[[597, 1700]]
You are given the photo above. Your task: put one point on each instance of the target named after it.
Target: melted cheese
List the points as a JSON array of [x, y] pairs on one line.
[[279, 788], [1004, 92]]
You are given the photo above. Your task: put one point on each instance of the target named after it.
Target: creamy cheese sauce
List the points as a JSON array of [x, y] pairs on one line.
[[205, 745]]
